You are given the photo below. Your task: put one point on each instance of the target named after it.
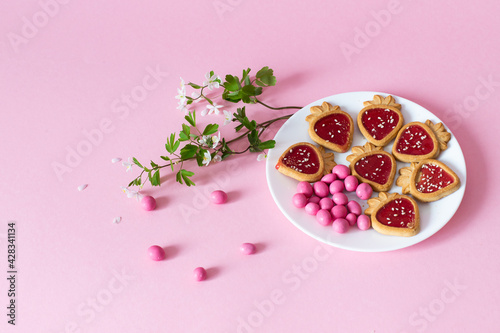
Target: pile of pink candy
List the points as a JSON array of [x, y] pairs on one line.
[[336, 210]]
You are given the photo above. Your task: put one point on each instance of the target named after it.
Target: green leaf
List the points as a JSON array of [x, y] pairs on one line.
[[265, 77], [267, 144], [191, 118], [209, 100], [210, 129], [253, 138], [245, 74], [238, 128], [183, 175], [136, 162], [155, 179], [184, 134], [188, 151], [154, 165], [195, 86], [232, 83], [200, 155]]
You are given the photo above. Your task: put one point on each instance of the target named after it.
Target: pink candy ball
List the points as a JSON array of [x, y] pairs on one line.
[[340, 225], [156, 253], [324, 217], [248, 248], [354, 207], [337, 186], [329, 178], [364, 191], [148, 203], [339, 211], [314, 199], [351, 183], [363, 222], [299, 200], [321, 189], [312, 208], [340, 198], [305, 188], [218, 197], [199, 274], [341, 171], [351, 218], [326, 203]]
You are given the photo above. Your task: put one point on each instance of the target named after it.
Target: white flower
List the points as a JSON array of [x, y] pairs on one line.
[[228, 117], [207, 158], [131, 193], [183, 106], [204, 140], [261, 157], [128, 164], [211, 81], [181, 92], [217, 158], [211, 109], [215, 140]]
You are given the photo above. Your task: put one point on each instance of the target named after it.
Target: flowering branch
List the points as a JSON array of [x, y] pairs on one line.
[[204, 145]]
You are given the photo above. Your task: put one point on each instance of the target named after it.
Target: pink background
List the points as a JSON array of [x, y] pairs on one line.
[[79, 272]]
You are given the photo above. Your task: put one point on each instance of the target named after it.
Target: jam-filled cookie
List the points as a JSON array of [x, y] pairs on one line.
[[373, 165], [394, 214], [305, 162], [429, 180], [380, 120], [417, 141], [331, 127]]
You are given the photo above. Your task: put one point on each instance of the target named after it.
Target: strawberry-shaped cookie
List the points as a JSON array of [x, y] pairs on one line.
[[373, 165], [429, 180], [394, 214], [305, 162], [380, 120], [331, 127], [417, 141]]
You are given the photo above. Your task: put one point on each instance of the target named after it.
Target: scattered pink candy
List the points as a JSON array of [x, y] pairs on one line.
[[340, 199], [148, 203], [363, 222], [156, 252], [248, 248], [329, 178], [218, 197], [199, 274], [341, 171], [351, 218], [324, 217], [339, 211], [321, 189], [305, 188], [337, 186], [314, 199], [326, 203], [299, 200], [354, 207], [340, 225], [312, 208], [364, 191], [351, 183]]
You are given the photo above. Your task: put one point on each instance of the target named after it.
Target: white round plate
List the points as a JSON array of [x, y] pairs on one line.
[[433, 216]]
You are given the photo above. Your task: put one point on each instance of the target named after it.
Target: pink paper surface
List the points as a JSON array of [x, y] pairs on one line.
[[66, 69]]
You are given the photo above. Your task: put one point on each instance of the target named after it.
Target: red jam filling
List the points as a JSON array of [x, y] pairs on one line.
[[333, 128], [397, 213], [432, 178], [415, 141], [376, 167], [301, 159], [379, 122]]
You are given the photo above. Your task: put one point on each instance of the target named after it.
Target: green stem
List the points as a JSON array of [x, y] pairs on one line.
[[280, 108]]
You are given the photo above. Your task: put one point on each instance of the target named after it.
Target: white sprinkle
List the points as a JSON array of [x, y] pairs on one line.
[[117, 219], [116, 160], [82, 187]]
